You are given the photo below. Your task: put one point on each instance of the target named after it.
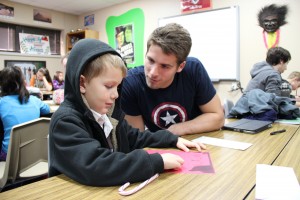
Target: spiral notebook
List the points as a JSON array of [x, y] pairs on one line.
[[248, 126]]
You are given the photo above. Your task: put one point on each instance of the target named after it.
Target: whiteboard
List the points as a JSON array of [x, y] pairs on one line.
[[215, 40]]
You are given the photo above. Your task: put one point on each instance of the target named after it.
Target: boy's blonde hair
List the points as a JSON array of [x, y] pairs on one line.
[[102, 63], [294, 74]]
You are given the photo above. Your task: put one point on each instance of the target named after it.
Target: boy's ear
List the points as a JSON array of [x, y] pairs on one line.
[[82, 84]]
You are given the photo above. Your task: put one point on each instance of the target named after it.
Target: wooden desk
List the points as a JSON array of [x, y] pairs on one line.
[[289, 157], [47, 95], [234, 178], [52, 105]]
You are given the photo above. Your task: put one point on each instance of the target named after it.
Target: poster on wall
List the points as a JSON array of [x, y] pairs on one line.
[[42, 16], [27, 67], [135, 19], [34, 44], [194, 5], [6, 11], [89, 20], [124, 39]]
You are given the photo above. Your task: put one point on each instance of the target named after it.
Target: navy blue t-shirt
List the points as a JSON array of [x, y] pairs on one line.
[[160, 108]]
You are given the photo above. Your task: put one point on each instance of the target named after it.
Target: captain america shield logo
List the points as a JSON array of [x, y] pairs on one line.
[[168, 113]]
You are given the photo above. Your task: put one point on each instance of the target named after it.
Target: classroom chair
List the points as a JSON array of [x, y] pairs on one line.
[[228, 104], [27, 156]]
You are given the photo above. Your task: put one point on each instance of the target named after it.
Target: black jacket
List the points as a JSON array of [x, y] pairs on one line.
[[77, 143]]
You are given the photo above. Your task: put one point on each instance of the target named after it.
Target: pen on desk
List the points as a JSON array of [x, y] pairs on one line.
[[276, 132]]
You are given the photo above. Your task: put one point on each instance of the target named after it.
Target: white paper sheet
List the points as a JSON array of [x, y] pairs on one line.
[[276, 183], [223, 143]]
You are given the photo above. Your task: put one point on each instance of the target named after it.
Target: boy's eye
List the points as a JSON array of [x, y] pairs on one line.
[[108, 86]]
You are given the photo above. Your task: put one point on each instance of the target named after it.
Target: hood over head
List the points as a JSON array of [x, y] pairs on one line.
[[83, 52], [261, 67]]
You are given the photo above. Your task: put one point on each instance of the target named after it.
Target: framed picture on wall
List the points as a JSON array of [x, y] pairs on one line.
[[6, 11], [125, 33], [28, 67], [125, 42], [89, 20], [42, 16]]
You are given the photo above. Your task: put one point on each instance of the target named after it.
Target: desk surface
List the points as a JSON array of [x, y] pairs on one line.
[[234, 178], [289, 157], [52, 105]]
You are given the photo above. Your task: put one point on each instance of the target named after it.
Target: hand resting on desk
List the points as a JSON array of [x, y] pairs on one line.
[[172, 161]]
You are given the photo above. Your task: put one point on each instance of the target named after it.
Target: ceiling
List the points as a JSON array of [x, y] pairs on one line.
[[75, 7]]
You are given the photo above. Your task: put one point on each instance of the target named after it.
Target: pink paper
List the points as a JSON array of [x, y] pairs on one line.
[[194, 162]]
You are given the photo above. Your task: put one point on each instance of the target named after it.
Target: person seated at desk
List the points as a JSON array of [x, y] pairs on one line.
[[42, 80], [266, 75], [292, 83], [58, 80], [89, 140], [16, 104], [58, 95], [171, 91]]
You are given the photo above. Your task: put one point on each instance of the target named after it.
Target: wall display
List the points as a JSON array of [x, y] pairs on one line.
[[215, 38], [34, 44], [42, 16], [271, 18], [6, 11], [125, 42], [89, 20], [125, 33], [28, 67], [194, 5]]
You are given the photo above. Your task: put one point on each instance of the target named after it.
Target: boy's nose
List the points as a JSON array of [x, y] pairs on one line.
[[115, 94]]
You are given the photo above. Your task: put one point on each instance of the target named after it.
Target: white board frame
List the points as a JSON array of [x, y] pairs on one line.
[[215, 40]]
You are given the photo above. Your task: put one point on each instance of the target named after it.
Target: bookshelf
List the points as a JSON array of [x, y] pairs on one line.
[[73, 37]]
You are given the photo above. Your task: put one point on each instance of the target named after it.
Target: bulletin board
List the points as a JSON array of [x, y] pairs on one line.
[[215, 40]]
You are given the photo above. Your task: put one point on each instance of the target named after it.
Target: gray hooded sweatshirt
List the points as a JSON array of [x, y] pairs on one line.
[[266, 78]]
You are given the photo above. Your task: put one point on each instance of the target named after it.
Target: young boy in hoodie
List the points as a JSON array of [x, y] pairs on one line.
[[89, 140], [266, 75]]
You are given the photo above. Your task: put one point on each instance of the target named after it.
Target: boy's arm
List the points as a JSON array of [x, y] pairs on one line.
[[211, 119], [136, 121]]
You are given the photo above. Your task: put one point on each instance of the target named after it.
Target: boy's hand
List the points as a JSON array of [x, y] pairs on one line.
[[184, 145], [172, 161]]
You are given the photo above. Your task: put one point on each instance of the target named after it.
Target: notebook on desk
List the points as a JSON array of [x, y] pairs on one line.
[[247, 126]]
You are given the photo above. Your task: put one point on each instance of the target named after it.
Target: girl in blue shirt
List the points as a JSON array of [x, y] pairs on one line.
[[16, 105]]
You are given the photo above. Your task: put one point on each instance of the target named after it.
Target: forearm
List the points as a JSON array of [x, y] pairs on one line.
[[48, 86], [203, 123]]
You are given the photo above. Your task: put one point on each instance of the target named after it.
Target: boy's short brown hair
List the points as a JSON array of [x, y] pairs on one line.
[[101, 63], [294, 74]]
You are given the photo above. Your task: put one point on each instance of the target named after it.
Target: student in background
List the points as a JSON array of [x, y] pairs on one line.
[[16, 105], [64, 60], [33, 78], [58, 95], [58, 80], [43, 79], [177, 91], [292, 83], [89, 140], [266, 75]]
